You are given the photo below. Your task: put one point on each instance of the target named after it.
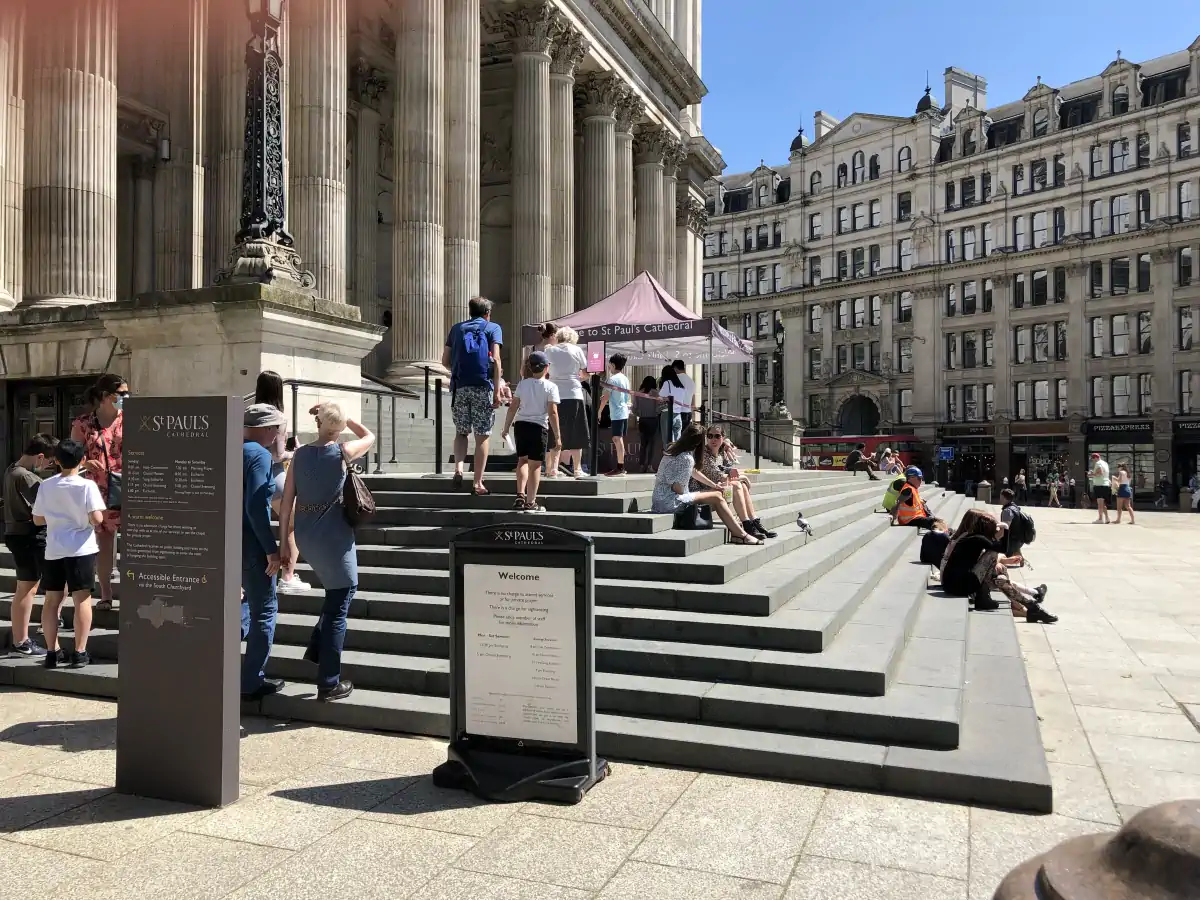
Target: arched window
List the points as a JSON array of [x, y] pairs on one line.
[[860, 167], [841, 175], [904, 159], [1041, 122], [873, 167], [763, 195], [968, 144], [814, 183], [1120, 100]]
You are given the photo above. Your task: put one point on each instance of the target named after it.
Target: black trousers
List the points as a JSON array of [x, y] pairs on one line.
[[921, 522]]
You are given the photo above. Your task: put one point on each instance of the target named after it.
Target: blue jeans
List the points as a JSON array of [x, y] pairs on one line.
[[329, 636], [259, 609]]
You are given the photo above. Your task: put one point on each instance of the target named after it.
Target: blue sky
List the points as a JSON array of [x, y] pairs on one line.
[[769, 64]]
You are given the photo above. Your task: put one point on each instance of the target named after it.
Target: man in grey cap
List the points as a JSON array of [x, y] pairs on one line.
[[260, 550]]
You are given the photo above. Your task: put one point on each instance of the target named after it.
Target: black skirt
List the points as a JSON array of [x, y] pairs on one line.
[[572, 420]]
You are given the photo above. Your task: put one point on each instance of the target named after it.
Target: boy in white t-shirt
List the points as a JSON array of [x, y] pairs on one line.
[[70, 507], [535, 409], [618, 400]]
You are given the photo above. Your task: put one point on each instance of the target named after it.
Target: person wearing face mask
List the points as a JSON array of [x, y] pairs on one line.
[[24, 539], [101, 432]]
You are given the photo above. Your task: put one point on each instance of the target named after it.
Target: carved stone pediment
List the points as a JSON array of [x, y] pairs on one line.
[[857, 377]]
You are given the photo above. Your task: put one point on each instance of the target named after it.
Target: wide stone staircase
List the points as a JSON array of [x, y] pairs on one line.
[[827, 658]]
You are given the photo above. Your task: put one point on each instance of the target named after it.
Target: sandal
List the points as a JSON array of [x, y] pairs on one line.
[[104, 605], [520, 502], [479, 491], [747, 540], [457, 480]]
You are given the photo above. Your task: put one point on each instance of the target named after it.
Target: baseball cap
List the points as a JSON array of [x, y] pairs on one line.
[[538, 362], [914, 472], [263, 415], [1095, 456]]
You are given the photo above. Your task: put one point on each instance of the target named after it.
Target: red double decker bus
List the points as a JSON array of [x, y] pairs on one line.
[[831, 452]]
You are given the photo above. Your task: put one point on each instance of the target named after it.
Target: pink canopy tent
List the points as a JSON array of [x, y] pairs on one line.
[[648, 326]]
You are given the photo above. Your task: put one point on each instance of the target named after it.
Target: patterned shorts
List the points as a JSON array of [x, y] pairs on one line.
[[472, 410]]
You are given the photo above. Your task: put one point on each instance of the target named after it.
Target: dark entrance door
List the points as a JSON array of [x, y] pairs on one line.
[[859, 415], [42, 406]]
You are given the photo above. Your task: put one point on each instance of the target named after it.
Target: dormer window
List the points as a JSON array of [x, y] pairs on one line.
[[764, 195], [1041, 122], [859, 167], [1120, 100], [968, 142], [841, 175]]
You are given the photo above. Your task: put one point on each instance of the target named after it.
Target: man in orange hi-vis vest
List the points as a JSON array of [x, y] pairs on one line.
[[910, 508]]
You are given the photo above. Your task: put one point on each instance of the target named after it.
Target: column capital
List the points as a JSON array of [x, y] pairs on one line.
[[532, 29], [567, 50], [673, 156], [600, 95], [691, 212], [367, 84], [629, 108], [650, 145], [1163, 254], [1076, 268]]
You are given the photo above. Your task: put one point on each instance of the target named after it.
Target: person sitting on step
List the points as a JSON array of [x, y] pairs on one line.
[[910, 508], [859, 461], [712, 464]]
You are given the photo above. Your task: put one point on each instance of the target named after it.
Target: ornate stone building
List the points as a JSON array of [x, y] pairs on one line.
[[534, 151], [1016, 282]]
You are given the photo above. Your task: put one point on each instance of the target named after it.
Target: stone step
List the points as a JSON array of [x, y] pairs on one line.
[[505, 483]]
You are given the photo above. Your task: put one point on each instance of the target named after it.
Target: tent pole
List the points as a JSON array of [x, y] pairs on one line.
[[753, 408], [708, 387]]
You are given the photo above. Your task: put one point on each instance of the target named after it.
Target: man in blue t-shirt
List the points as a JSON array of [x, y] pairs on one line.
[[471, 354], [260, 550]]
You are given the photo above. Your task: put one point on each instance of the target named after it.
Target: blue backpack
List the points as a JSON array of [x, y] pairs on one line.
[[472, 356]]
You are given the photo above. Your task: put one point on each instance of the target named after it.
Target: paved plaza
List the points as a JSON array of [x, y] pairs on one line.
[[327, 813]]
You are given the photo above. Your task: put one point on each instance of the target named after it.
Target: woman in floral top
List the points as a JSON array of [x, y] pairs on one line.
[[101, 432], [717, 464]]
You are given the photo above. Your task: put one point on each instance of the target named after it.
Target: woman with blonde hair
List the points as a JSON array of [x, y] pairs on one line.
[[1124, 493], [568, 370], [312, 499]]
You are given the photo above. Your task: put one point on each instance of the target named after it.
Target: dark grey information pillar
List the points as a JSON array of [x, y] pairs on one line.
[[180, 618], [522, 665]]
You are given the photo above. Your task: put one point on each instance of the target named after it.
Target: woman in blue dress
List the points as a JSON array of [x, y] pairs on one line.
[[312, 501]]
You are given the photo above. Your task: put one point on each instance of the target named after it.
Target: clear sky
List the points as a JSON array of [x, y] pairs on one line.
[[769, 64]]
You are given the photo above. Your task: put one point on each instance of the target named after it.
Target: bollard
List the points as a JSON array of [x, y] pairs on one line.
[[437, 427]]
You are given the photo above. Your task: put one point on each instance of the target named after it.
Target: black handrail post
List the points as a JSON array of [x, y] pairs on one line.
[[670, 421], [594, 453], [437, 427], [295, 410], [426, 368], [393, 459], [378, 432], [757, 439]]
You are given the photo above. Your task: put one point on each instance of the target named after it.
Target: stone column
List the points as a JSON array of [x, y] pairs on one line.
[[650, 145], [569, 49], [672, 157], [231, 31], [12, 153], [317, 141], [367, 87], [531, 30], [1163, 330], [1078, 340], [143, 226], [462, 158], [599, 97], [71, 155], [418, 272], [628, 110]]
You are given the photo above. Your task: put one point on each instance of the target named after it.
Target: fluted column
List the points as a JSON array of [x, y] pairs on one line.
[[531, 30], [230, 31], [628, 110], [12, 152], [418, 274], [462, 157], [317, 146], [143, 226], [367, 89], [672, 157], [71, 155], [650, 145], [568, 50], [599, 95]]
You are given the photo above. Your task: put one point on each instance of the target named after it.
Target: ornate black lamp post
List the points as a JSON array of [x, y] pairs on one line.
[[777, 385], [264, 251]]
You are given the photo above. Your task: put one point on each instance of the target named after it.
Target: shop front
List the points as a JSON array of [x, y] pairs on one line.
[[1185, 450], [1130, 444], [1043, 451], [965, 455]]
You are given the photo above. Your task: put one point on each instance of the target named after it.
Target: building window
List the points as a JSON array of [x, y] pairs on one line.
[[814, 271], [725, 279], [876, 361], [986, 235], [949, 195], [1143, 149], [860, 356], [763, 238], [1120, 275], [968, 242], [745, 373], [764, 325], [1041, 342], [970, 394], [1183, 263], [1021, 344], [860, 217], [873, 167], [724, 243], [1143, 272], [1022, 399], [969, 298], [841, 175], [710, 245], [1040, 294], [1120, 335], [1097, 161], [1060, 395], [1096, 279], [985, 186], [951, 249], [904, 355], [987, 295], [843, 358], [814, 319], [1060, 284], [904, 307], [951, 301], [989, 402], [905, 251], [1019, 291], [843, 315], [1060, 170], [970, 346], [748, 240], [1120, 395], [876, 213], [814, 225], [1143, 209], [763, 194], [747, 327], [843, 220], [1060, 341], [905, 399], [814, 363], [1097, 218], [814, 183], [859, 167], [968, 192], [968, 142], [989, 348], [860, 262], [1183, 194], [1041, 399], [1039, 229], [1145, 340], [708, 285], [873, 259], [860, 312], [762, 365], [1183, 138], [723, 375], [1041, 122], [1037, 174], [904, 206], [1018, 233], [1185, 392], [748, 282], [951, 350], [1097, 329], [777, 276], [843, 266], [1120, 100], [1118, 156], [1185, 327], [814, 411], [876, 310], [1060, 224], [1119, 214], [904, 159], [1096, 396], [952, 403], [1018, 178]]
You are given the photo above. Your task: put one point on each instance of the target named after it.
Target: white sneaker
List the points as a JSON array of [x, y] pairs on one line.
[[294, 585]]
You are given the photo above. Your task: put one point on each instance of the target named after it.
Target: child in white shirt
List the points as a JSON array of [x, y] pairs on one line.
[[70, 507], [535, 408]]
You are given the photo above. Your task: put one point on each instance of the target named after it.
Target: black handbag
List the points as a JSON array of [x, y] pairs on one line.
[[693, 517], [115, 487]]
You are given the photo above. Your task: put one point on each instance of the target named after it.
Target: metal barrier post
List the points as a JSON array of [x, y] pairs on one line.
[[393, 459], [757, 426], [295, 410], [594, 427], [670, 422], [378, 431], [437, 427], [426, 392]]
